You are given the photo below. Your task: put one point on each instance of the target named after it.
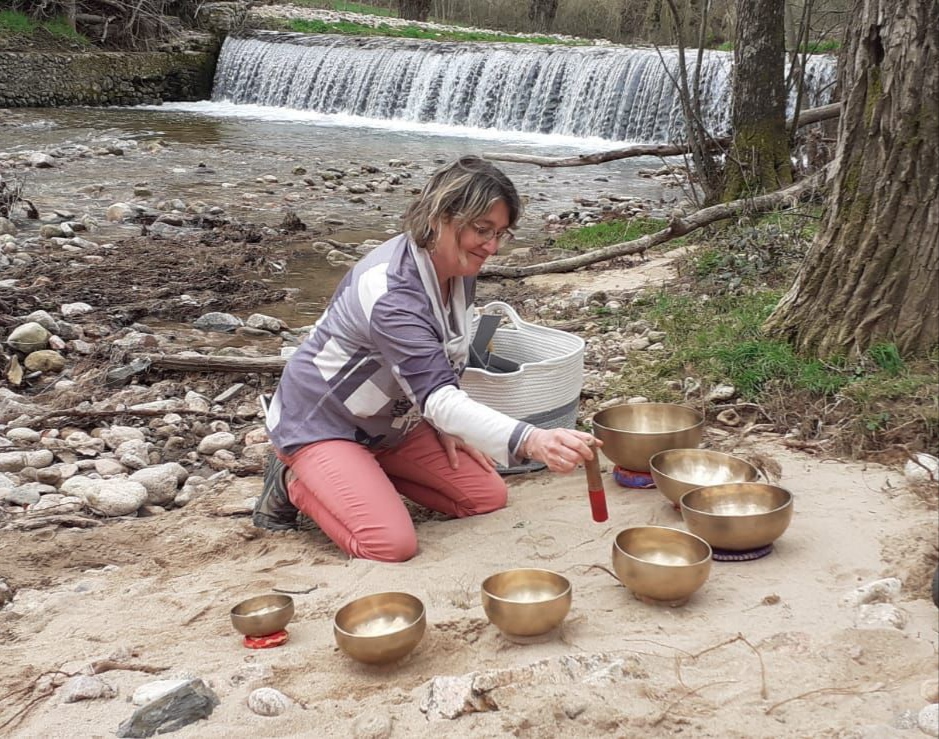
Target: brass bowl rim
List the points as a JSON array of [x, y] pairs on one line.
[[699, 422], [287, 603], [422, 616], [705, 451], [702, 512], [619, 549], [493, 596]]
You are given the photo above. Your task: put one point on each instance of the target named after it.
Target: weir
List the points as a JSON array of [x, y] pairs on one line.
[[617, 93]]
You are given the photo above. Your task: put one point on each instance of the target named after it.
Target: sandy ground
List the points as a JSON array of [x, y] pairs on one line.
[[156, 592]]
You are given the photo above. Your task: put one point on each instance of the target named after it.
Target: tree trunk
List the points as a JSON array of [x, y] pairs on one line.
[[414, 10], [872, 274], [541, 13], [759, 157]]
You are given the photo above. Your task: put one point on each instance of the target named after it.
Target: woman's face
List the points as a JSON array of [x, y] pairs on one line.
[[461, 250]]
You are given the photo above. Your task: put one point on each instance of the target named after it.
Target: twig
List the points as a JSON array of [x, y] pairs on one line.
[[106, 665], [674, 703], [296, 592], [827, 691]]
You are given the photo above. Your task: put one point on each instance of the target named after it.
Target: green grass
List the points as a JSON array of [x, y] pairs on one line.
[[342, 6], [414, 32], [827, 46], [13, 23], [603, 234]]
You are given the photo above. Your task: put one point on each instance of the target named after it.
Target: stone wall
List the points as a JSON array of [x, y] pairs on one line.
[[42, 79]]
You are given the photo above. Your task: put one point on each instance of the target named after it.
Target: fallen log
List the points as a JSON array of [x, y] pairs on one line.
[[813, 115], [678, 226]]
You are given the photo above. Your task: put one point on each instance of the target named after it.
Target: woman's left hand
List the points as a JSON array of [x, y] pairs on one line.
[[452, 443]]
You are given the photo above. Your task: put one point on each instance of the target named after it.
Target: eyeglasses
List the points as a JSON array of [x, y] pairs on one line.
[[488, 233]]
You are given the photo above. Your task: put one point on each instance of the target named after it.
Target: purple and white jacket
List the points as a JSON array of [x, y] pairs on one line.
[[385, 353]]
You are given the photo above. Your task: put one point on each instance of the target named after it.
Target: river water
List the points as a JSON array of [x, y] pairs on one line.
[[238, 144]]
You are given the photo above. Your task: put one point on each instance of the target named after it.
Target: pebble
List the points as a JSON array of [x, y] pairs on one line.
[[268, 702], [85, 687], [372, 726], [928, 719]]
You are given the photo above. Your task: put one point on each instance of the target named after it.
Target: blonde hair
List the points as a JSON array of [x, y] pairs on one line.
[[464, 191]]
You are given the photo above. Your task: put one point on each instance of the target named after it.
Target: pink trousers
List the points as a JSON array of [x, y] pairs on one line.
[[353, 492]]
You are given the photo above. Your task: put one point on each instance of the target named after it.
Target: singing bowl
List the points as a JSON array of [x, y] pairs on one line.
[[737, 516], [660, 563], [380, 628], [262, 615], [676, 471], [634, 432], [526, 602]]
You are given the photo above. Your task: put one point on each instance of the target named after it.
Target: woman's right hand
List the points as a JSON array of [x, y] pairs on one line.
[[562, 450]]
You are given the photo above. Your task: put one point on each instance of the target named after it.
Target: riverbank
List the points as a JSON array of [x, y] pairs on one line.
[[128, 483]]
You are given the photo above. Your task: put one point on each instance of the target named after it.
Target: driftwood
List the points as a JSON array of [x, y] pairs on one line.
[[187, 363], [62, 519], [678, 226], [814, 115]]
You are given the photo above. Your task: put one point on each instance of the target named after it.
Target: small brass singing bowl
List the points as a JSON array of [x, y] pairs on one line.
[[634, 432], [381, 628], [262, 615], [661, 565], [737, 516], [676, 471], [526, 602]]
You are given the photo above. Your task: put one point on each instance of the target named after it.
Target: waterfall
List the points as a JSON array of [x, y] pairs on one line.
[[616, 93]]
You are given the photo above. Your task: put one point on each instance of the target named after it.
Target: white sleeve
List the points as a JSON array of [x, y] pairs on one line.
[[452, 411]]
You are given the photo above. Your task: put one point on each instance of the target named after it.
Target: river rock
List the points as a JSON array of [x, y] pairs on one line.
[[7, 227], [45, 320], [45, 360], [114, 436], [930, 691], [216, 321], [121, 212], [70, 310], [112, 497], [216, 442], [109, 467], [85, 687], [265, 323], [189, 702], [23, 495], [151, 691], [16, 461], [23, 435], [28, 337], [268, 702], [161, 481], [39, 160]]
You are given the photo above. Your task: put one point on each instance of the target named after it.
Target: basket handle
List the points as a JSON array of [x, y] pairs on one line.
[[507, 310]]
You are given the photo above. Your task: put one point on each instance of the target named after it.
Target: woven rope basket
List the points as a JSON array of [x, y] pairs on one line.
[[545, 390]]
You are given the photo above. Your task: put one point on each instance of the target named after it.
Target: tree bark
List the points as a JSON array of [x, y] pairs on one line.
[[759, 158], [814, 115], [542, 12], [414, 10], [872, 274]]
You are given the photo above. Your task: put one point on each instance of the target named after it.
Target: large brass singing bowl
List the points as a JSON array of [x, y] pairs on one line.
[[380, 628], [634, 432], [262, 615], [661, 564], [676, 471], [526, 602], [737, 516]]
